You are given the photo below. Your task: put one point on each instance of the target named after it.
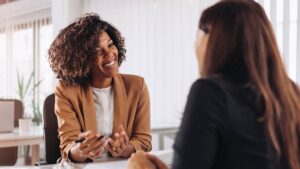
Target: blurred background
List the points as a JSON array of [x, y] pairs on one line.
[[159, 36]]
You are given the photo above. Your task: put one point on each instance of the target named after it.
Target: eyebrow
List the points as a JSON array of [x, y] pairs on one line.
[[108, 41]]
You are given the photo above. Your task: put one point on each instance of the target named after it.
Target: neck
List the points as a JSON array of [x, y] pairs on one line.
[[101, 82]]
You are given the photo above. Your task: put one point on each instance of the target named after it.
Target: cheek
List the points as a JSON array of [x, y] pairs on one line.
[[99, 60], [117, 53], [199, 51]]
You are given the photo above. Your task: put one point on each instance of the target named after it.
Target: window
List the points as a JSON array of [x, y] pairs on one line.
[[45, 72], [283, 15], [23, 51], [3, 67]]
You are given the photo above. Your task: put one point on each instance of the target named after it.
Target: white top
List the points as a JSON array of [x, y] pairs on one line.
[[104, 104]]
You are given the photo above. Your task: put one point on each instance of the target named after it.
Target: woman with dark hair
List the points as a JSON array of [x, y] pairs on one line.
[[98, 109], [244, 113]]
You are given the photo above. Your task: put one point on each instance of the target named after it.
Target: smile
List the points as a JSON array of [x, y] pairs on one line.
[[110, 64]]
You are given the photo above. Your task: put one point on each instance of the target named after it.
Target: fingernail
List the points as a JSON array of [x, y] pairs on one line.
[[117, 134], [123, 133]]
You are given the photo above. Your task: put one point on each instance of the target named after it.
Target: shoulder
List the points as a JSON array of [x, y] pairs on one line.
[[206, 87], [206, 103], [67, 90], [128, 78], [132, 81], [61, 85], [207, 97]]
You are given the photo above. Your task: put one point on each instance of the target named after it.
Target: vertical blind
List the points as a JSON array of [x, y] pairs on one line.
[[284, 16], [22, 50]]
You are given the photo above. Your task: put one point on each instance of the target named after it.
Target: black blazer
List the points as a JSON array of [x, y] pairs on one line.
[[220, 129]]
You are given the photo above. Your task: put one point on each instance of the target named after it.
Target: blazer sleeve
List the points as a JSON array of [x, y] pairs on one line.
[[68, 123], [141, 133]]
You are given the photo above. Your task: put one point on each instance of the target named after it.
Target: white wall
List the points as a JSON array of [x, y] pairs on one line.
[[159, 36]]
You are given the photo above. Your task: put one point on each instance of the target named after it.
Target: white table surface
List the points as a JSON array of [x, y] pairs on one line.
[[108, 163], [33, 138]]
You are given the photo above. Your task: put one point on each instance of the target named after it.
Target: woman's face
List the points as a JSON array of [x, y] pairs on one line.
[[106, 64], [200, 47]]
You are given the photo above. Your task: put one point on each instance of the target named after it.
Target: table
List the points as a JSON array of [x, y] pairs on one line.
[[33, 138], [108, 163]]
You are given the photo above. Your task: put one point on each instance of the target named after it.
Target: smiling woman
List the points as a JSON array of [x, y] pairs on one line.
[[92, 98]]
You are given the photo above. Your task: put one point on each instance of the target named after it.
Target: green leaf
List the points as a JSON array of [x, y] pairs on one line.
[[28, 83], [37, 84]]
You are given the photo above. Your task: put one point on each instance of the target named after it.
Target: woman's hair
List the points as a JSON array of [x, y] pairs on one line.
[[75, 49], [242, 45]]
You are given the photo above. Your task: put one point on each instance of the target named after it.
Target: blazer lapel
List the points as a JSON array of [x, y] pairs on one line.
[[120, 103], [89, 110]]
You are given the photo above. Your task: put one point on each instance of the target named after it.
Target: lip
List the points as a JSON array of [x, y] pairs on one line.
[[110, 64]]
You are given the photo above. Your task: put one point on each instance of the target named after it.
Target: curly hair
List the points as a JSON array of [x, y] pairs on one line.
[[75, 49]]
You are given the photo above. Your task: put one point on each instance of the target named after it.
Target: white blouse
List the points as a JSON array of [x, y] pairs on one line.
[[104, 103]]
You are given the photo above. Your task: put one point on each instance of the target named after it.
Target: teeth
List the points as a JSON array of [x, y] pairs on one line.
[[109, 64]]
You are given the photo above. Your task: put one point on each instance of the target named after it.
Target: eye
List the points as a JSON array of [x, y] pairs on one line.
[[111, 44]]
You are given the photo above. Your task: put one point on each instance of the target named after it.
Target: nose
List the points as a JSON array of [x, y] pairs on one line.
[[105, 52], [108, 54]]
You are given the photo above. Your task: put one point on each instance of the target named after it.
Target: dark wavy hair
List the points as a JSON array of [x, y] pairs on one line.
[[242, 45], [75, 49]]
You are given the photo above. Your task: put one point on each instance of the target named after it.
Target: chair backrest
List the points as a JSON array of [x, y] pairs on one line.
[[9, 156], [50, 128]]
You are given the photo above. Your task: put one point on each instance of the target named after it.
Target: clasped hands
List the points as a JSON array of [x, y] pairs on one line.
[[90, 145]]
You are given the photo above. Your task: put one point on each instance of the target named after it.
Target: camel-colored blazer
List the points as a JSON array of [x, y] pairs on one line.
[[75, 111]]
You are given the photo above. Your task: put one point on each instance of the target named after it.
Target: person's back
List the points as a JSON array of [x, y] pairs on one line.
[[227, 131]]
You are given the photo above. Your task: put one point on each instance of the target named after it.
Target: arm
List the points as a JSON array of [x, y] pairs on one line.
[[197, 141], [70, 130], [68, 124], [141, 134], [120, 145]]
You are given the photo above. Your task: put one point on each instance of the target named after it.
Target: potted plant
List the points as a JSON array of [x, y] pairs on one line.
[[24, 90]]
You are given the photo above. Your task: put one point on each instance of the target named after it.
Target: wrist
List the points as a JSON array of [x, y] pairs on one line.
[[128, 151], [75, 154]]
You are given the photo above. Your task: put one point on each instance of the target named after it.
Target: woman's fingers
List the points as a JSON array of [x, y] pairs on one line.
[[86, 145], [114, 147], [93, 146], [125, 138], [118, 143], [90, 146], [139, 160], [99, 149], [121, 141], [159, 164]]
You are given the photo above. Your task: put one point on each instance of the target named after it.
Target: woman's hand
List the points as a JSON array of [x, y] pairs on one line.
[[88, 146], [118, 145], [145, 161], [158, 163]]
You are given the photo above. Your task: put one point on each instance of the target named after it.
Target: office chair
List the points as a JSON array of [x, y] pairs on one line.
[[50, 130], [9, 155]]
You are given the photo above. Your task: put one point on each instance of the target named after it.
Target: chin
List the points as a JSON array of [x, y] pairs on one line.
[[111, 74]]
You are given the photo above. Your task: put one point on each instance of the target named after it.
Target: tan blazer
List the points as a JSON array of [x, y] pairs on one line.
[[75, 111]]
